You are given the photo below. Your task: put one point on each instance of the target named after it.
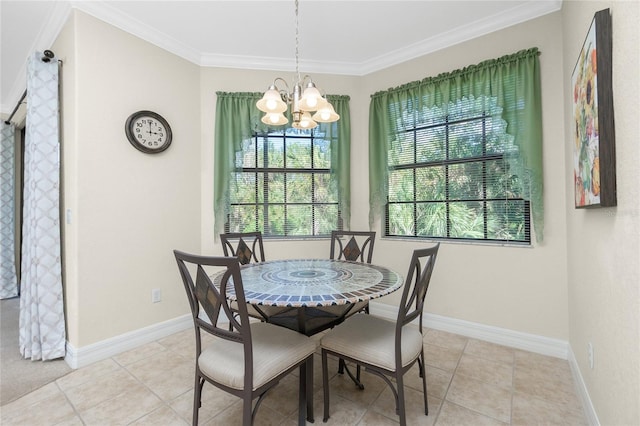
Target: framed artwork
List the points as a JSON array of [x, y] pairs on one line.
[[594, 155]]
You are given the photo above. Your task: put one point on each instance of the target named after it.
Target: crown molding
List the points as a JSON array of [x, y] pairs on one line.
[[530, 10], [278, 64], [103, 11]]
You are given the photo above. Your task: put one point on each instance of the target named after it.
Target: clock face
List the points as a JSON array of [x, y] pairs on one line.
[[148, 132]]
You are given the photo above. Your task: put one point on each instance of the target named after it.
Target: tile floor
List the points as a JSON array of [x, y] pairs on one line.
[[469, 382]]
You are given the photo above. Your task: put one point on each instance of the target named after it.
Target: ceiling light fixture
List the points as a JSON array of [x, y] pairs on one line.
[[303, 103]]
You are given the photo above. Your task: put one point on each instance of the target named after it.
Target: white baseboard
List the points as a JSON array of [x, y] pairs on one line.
[[501, 336], [583, 393], [81, 357], [515, 339]]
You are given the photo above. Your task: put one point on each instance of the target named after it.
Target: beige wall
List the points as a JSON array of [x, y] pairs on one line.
[[603, 244], [129, 210]]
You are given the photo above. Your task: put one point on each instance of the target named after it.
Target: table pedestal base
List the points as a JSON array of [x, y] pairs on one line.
[[310, 320]]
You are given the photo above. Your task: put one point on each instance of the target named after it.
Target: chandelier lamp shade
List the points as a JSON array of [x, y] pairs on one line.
[[275, 101]]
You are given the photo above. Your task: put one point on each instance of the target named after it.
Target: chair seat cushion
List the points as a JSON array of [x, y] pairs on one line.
[[371, 340], [275, 349]]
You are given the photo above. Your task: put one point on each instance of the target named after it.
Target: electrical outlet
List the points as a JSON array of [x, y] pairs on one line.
[[156, 295], [590, 354]]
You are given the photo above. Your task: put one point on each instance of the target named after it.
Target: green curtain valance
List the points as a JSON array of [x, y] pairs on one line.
[[512, 80], [238, 118]]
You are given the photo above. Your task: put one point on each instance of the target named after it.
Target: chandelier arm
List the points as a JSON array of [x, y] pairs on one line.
[[283, 92]]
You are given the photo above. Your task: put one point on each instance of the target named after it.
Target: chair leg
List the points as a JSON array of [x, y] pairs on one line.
[[401, 406], [356, 379], [302, 394], [424, 382], [325, 386], [305, 402], [197, 398], [247, 411], [310, 390]]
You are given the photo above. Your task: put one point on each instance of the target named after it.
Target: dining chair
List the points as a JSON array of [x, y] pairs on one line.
[[358, 248], [246, 246], [249, 360], [386, 348], [355, 246]]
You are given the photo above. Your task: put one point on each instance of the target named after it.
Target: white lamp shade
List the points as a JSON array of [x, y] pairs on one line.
[[326, 114], [311, 98], [271, 102], [274, 119], [305, 122]]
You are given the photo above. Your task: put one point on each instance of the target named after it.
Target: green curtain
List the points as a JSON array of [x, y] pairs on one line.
[[339, 133], [238, 118], [513, 80]]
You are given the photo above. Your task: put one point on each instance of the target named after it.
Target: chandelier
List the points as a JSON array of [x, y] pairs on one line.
[[303, 103]]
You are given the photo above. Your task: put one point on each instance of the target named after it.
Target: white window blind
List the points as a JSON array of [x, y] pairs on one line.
[[450, 175]]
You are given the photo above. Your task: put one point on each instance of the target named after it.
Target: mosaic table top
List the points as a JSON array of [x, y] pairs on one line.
[[315, 282]]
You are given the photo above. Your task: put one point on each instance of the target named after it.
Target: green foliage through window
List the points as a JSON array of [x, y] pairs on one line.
[[450, 174], [283, 186]]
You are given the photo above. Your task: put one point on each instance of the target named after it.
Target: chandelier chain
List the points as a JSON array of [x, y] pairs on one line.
[[303, 101], [297, 69]]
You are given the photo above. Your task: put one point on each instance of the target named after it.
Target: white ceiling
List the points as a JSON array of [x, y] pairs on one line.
[[352, 37]]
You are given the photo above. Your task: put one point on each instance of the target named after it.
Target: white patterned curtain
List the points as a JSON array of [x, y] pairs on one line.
[[9, 284], [42, 325]]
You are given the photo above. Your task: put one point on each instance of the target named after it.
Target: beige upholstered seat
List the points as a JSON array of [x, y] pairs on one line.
[[387, 349], [275, 349], [373, 339], [250, 358]]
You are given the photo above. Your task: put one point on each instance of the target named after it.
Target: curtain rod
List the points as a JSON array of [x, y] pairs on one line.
[[8, 120], [48, 56]]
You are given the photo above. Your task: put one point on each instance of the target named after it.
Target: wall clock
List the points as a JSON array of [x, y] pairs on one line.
[[148, 132]]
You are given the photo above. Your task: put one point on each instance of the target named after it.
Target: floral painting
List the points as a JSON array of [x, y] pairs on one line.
[[588, 118], [586, 154]]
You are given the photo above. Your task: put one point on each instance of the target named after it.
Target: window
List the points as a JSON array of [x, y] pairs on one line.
[[459, 156], [284, 182], [283, 186], [450, 176]]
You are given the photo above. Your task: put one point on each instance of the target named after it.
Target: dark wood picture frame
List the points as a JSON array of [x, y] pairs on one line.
[[594, 154]]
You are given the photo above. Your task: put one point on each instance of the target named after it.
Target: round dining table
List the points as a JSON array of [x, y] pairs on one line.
[[312, 295]]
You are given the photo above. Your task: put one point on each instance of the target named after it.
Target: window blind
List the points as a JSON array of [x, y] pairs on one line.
[[283, 186], [450, 175]]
